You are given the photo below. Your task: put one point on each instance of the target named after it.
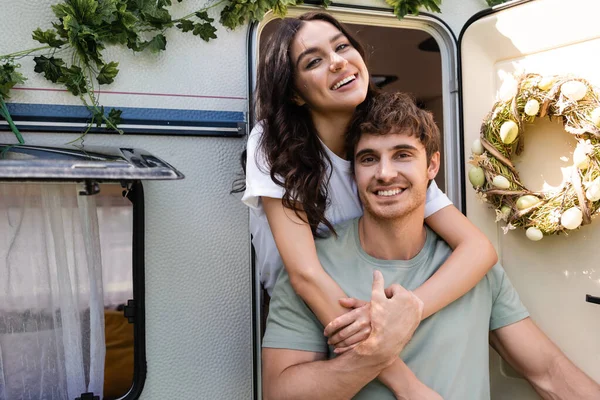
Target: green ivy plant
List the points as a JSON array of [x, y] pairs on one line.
[[72, 51], [71, 54]]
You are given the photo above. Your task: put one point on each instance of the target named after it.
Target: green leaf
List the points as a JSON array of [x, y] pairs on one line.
[[134, 42], [60, 29], [107, 73], [61, 10], [74, 79], [98, 116], [206, 31], [126, 18], [114, 116], [106, 12], [9, 77], [84, 11], [50, 67], [203, 15], [405, 7], [85, 40], [280, 7], [237, 12], [186, 25], [47, 37], [154, 14], [326, 3], [157, 44]]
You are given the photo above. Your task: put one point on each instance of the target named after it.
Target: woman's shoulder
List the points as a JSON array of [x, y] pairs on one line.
[[258, 129]]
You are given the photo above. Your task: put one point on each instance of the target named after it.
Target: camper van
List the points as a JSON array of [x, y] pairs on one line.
[[171, 305]]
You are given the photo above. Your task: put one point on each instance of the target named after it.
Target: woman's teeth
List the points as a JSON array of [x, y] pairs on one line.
[[343, 82], [389, 192]]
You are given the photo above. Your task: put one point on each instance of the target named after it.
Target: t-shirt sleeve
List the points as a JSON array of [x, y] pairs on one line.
[[435, 199], [258, 178], [506, 307], [291, 324]]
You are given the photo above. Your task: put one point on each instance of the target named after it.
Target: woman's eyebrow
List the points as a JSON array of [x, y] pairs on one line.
[[311, 50]]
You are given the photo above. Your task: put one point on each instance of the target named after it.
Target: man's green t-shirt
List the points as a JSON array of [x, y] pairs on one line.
[[448, 351]]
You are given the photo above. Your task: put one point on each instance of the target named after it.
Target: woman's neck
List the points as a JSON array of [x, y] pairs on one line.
[[332, 130]]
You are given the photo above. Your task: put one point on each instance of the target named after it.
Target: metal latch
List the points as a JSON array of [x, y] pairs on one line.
[[129, 311], [592, 299]]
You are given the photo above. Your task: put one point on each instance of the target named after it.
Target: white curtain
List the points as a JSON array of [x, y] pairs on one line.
[[51, 293]]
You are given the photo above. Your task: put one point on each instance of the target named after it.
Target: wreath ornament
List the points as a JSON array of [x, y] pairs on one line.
[[495, 179]]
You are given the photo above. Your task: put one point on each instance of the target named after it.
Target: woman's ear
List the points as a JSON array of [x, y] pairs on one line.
[[298, 100]]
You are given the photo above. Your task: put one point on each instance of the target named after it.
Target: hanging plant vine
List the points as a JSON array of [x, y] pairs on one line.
[[72, 51]]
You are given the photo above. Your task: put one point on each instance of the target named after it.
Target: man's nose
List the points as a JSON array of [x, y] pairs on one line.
[[385, 171], [337, 62]]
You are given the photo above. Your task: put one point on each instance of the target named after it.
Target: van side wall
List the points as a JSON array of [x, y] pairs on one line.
[[198, 275]]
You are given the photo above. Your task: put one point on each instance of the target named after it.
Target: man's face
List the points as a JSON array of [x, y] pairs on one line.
[[392, 174]]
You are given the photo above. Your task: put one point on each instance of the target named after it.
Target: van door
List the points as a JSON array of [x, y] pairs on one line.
[[553, 276]]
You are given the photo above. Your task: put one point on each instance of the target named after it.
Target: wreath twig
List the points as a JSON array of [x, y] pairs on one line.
[[574, 101]]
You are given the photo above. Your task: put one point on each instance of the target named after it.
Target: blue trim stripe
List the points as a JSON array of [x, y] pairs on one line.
[[20, 111], [155, 120]]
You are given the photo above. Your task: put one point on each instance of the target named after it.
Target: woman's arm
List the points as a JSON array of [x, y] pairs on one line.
[[321, 293], [296, 246], [472, 258]]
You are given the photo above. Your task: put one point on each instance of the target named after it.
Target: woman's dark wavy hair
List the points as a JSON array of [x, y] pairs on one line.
[[296, 158]]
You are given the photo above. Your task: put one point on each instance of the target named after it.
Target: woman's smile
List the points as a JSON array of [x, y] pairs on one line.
[[348, 80]]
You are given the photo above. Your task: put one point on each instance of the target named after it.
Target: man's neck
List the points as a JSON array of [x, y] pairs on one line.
[[332, 129], [399, 239]]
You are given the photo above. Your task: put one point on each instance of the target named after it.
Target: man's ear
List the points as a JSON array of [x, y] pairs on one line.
[[434, 165], [298, 100]]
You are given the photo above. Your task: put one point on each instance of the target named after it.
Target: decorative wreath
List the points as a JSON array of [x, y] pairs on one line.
[[577, 103]]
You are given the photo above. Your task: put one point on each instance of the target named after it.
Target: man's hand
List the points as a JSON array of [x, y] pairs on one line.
[[395, 314]]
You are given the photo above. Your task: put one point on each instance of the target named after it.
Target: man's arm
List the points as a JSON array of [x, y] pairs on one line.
[[531, 353], [294, 374]]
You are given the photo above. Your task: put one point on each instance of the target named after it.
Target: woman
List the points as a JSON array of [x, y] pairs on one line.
[[312, 84]]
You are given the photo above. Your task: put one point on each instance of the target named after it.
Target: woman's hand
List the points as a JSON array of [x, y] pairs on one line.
[[348, 330]]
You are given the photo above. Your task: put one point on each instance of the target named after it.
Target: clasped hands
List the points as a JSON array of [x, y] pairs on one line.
[[382, 326]]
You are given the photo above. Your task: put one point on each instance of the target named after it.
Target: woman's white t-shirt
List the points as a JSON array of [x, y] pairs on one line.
[[343, 197]]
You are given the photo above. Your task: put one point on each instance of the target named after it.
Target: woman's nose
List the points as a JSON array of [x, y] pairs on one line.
[[337, 62]]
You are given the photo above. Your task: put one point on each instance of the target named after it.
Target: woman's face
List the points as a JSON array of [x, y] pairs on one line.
[[331, 75]]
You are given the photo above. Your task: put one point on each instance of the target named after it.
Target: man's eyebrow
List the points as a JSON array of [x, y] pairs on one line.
[[404, 147], [397, 147], [363, 152], [311, 50]]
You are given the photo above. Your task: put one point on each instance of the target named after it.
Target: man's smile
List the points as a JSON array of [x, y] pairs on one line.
[[389, 192]]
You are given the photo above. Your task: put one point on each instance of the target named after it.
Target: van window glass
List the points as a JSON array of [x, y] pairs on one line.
[[65, 278]]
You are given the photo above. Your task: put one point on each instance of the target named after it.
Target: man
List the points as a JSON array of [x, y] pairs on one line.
[[395, 158]]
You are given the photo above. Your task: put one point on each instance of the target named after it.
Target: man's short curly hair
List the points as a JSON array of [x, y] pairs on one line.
[[395, 113]]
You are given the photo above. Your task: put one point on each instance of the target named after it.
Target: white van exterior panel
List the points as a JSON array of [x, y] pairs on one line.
[[191, 74], [554, 275]]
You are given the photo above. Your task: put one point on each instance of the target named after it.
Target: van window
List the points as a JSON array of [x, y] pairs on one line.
[[66, 277]]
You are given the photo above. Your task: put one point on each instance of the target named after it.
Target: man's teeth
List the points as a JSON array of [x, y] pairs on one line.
[[389, 192], [343, 82]]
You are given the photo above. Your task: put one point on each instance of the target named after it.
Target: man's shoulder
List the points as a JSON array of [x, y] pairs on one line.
[[436, 245], [344, 231]]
